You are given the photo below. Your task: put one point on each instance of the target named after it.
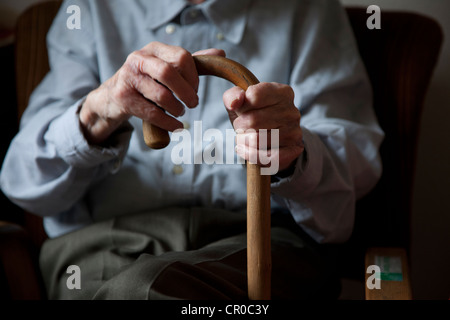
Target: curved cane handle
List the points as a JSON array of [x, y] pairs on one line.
[[157, 138], [259, 263]]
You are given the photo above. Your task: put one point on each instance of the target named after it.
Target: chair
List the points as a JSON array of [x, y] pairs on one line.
[[400, 59], [19, 244]]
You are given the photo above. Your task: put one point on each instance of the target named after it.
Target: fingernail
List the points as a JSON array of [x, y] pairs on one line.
[[196, 85], [194, 102], [239, 149], [235, 102]]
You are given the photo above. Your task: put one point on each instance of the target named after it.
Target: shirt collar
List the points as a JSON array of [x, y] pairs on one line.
[[229, 16], [160, 12]]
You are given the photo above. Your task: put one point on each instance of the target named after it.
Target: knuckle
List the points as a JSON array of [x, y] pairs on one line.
[[183, 56], [284, 90], [163, 71], [287, 90], [152, 46], [133, 56], [237, 124], [134, 62], [251, 121], [162, 96], [253, 92], [123, 90], [151, 113]]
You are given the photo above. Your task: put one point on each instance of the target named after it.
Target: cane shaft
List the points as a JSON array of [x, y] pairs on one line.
[[258, 186]]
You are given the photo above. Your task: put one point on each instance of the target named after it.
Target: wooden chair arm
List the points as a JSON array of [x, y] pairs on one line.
[[19, 261], [394, 281]]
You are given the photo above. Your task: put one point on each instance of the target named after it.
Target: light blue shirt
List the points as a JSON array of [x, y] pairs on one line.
[[52, 171]]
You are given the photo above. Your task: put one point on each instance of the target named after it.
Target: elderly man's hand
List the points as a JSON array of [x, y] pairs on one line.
[[148, 83], [265, 106]]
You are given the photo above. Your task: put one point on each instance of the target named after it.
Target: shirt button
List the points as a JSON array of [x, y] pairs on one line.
[[170, 29], [186, 125], [116, 166], [220, 36], [177, 169], [193, 13]]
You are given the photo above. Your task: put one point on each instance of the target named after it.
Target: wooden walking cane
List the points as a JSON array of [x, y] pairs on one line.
[[259, 263]]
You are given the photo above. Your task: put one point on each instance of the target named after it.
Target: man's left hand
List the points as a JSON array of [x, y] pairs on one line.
[[265, 106]]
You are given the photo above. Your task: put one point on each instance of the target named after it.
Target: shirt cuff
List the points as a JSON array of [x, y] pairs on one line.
[[306, 174], [67, 135]]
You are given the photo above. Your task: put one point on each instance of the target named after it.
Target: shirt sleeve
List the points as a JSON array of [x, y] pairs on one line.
[[49, 163], [341, 135]]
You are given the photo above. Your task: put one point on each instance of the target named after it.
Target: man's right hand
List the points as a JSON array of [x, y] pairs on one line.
[[148, 83]]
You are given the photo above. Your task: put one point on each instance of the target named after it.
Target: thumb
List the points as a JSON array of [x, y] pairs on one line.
[[210, 52], [233, 100]]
